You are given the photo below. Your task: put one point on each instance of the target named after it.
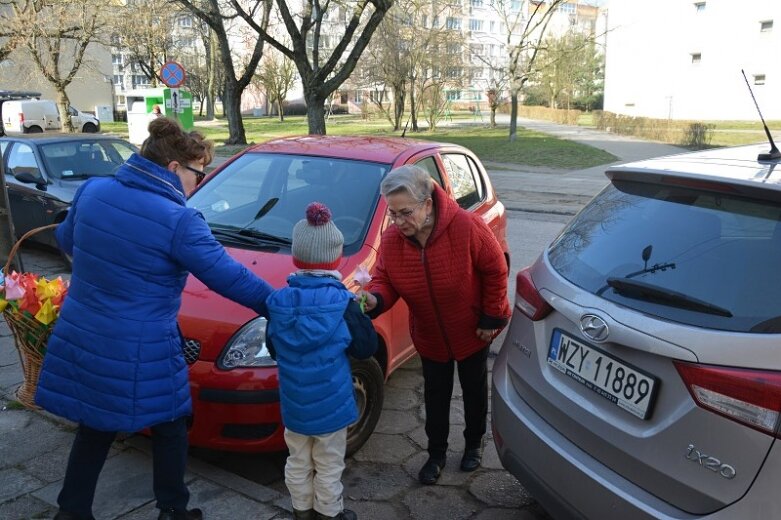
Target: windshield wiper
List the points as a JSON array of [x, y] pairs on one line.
[[641, 290], [248, 236], [260, 235]]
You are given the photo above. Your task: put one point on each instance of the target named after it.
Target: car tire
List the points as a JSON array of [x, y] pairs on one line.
[[34, 130], [89, 128], [369, 386]]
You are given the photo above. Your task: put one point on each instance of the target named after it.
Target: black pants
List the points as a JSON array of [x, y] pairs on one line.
[[438, 390], [89, 452]]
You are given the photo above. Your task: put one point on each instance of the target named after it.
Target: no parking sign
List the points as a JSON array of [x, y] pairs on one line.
[[172, 74]]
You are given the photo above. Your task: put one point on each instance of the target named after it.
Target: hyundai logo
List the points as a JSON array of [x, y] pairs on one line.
[[594, 327]]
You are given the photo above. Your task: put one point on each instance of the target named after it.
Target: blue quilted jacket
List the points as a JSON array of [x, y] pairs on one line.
[[114, 360], [311, 338]]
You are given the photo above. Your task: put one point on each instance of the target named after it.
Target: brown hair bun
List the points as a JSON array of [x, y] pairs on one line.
[[163, 127]]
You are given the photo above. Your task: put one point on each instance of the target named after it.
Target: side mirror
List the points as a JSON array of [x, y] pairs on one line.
[[28, 177]]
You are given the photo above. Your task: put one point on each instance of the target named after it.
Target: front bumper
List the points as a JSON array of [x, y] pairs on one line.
[[235, 410]]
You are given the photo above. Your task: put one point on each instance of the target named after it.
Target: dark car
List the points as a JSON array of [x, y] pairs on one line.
[[42, 173], [251, 204]]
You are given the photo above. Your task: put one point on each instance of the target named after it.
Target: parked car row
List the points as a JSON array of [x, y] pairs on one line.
[[639, 376]]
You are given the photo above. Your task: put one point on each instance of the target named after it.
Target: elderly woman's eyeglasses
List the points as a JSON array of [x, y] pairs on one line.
[[403, 214], [199, 175]]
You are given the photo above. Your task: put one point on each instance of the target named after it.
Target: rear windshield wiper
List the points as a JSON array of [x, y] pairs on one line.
[[641, 290]]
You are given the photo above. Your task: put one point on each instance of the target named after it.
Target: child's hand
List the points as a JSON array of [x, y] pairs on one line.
[[367, 300]]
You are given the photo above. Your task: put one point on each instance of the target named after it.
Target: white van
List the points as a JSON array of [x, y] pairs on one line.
[[39, 115]]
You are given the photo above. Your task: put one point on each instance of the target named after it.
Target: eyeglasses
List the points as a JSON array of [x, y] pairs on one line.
[[199, 175], [403, 214]]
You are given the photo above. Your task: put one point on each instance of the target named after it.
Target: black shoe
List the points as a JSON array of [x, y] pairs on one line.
[[471, 459], [429, 473], [346, 514], [173, 514], [309, 514]]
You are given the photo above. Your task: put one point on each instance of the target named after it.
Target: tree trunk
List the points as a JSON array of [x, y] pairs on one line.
[[413, 109], [279, 109], [211, 89], [231, 105], [63, 102], [513, 115], [493, 116], [398, 107], [315, 113]]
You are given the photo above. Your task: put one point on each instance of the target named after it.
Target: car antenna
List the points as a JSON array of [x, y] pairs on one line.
[[774, 153], [405, 126]]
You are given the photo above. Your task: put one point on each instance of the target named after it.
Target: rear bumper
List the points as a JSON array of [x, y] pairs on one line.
[[235, 410], [570, 484]]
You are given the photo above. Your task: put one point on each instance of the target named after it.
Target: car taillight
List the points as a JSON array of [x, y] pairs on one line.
[[528, 299], [21, 117], [750, 397]]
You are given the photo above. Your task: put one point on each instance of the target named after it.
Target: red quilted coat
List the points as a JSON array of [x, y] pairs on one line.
[[454, 285]]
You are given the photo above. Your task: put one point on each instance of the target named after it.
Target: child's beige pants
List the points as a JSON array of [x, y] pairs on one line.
[[313, 472]]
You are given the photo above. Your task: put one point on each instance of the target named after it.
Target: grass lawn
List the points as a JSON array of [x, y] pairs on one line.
[[530, 148]]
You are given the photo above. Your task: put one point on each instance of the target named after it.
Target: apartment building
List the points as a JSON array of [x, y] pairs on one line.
[[682, 59]]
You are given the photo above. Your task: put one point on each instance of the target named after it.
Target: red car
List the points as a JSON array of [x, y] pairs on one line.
[[251, 204]]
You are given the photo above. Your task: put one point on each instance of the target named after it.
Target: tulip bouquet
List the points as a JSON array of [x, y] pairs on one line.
[[32, 296]]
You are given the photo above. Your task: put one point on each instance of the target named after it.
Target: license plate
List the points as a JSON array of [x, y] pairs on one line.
[[622, 384]]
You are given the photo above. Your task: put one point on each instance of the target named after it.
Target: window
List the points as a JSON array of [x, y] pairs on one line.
[[766, 26], [424, 20], [22, 160], [116, 59], [699, 7], [430, 165], [477, 72], [453, 23], [454, 72], [475, 25], [759, 79], [493, 27], [717, 236], [185, 21], [377, 96], [358, 96], [453, 48], [453, 95], [476, 49], [462, 181], [515, 5], [696, 58], [117, 80], [567, 8], [435, 22], [476, 3]]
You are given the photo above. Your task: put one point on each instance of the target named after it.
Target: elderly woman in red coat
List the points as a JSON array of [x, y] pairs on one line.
[[450, 270]]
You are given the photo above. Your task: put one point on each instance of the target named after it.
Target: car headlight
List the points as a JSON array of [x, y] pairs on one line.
[[247, 348]]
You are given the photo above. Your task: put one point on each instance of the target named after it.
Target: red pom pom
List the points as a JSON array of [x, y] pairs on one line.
[[318, 214]]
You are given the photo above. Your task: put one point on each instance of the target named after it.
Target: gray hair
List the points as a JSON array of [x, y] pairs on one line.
[[413, 179]]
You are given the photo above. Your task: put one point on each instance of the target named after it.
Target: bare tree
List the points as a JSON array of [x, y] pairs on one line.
[[57, 34], [526, 22], [11, 13], [277, 76], [321, 75], [215, 15]]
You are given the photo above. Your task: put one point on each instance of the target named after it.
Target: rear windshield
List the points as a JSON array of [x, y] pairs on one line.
[[721, 250]]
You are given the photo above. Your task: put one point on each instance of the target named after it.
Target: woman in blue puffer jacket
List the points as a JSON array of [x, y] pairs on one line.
[[114, 361]]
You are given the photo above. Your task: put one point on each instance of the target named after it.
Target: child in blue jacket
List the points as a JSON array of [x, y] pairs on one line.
[[314, 323]]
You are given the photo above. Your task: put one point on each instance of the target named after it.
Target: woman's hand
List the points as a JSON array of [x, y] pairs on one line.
[[368, 300], [486, 334]]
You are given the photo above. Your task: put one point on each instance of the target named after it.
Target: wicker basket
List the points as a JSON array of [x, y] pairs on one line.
[[30, 336]]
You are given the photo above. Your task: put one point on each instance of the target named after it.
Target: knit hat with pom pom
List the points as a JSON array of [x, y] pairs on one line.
[[317, 242]]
